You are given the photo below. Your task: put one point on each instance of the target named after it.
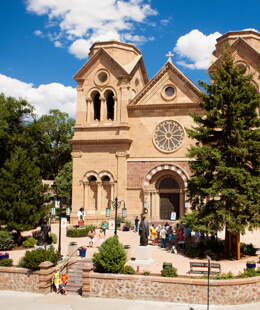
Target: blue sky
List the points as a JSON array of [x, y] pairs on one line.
[[45, 42]]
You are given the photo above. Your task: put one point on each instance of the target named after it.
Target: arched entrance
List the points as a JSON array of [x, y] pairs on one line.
[[169, 198], [164, 192]]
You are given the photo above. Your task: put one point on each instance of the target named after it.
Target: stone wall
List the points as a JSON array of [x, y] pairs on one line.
[[19, 279], [176, 290]]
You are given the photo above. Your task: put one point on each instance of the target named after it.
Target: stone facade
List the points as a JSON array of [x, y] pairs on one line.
[[130, 140]]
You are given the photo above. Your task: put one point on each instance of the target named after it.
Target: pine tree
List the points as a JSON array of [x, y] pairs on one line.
[[224, 190], [22, 199]]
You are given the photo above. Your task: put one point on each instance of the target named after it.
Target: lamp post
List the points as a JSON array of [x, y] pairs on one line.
[[59, 245], [116, 205]]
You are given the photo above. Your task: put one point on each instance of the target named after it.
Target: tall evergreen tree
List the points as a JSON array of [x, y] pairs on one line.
[[63, 182], [22, 199], [224, 190]]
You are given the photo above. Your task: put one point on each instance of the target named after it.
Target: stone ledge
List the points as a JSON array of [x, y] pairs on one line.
[[18, 270]]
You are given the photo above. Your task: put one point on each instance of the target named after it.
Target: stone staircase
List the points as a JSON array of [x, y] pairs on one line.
[[74, 285]]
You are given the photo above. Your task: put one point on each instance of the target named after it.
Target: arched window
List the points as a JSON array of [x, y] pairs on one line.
[[97, 104], [169, 183], [110, 106]]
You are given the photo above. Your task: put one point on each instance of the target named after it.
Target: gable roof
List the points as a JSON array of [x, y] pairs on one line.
[[126, 70], [239, 42], [167, 67]]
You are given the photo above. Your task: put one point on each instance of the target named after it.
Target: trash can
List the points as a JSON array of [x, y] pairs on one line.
[[128, 252], [72, 249]]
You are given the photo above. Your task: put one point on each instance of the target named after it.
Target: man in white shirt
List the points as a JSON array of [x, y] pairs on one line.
[[163, 234], [81, 213]]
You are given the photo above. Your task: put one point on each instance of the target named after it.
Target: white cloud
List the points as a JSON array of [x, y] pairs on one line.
[[87, 20], [195, 48], [58, 44], [44, 97]]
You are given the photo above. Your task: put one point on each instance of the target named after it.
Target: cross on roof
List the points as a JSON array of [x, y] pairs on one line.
[[170, 55]]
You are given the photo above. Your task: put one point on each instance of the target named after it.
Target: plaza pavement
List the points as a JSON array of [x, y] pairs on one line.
[[160, 255]]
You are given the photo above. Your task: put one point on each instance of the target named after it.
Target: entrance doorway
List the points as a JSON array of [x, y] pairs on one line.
[[169, 203]]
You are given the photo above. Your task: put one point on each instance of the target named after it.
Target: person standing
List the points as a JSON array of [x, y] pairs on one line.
[[101, 237], [91, 235], [56, 279], [136, 224], [64, 281], [81, 212], [163, 234], [153, 234]]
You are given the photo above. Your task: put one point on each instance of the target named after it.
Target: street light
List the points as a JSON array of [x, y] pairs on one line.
[[116, 205], [59, 245]]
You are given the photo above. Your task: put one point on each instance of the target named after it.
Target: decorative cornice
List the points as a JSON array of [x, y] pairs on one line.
[[168, 106], [103, 141]]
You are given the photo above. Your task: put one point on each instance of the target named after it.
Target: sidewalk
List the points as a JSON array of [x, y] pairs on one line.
[[11, 300]]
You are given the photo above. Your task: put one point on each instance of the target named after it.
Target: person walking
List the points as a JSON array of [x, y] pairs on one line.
[[56, 279], [136, 224]]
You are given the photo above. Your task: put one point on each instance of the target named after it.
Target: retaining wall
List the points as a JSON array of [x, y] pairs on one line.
[[176, 290]]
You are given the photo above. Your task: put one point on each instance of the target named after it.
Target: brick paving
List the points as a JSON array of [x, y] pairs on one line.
[[160, 255]]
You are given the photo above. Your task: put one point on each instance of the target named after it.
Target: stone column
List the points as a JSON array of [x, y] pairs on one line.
[[153, 207], [103, 109], [45, 277], [121, 174], [115, 108], [85, 194], [99, 195], [86, 284], [182, 203], [88, 103], [112, 190]]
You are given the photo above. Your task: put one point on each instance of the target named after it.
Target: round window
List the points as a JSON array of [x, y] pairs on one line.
[[102, 76], [168, 136], [169, 91]]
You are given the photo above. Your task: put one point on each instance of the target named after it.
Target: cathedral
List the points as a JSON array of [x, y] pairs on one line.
[[129, 139]]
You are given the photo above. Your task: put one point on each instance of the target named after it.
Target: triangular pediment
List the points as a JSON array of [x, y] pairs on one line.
[[109, 62], [169, 87], [241, 49]]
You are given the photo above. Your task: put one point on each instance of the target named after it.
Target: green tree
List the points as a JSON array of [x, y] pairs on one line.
[[22, 201], [54, 148], [224, 190], [14, 118], [63, 182]]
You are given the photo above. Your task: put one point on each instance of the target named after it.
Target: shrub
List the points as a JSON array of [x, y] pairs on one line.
[[146, 273], [29, 243], [32, 259], [75, 233], [36, 234], [6, 241], [127, 270], [169, 272], [111, 256], [53, 237], [6, 262], [248, 249], [194, 252]]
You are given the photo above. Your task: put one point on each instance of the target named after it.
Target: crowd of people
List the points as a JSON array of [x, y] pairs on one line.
[[178, 234]]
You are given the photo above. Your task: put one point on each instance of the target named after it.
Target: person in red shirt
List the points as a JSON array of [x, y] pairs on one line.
[[64, 280]]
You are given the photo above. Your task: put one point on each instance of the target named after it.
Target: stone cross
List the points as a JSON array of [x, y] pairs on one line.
[[170, 55]]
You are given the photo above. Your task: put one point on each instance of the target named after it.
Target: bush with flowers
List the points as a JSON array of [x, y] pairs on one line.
[[4, 255]]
